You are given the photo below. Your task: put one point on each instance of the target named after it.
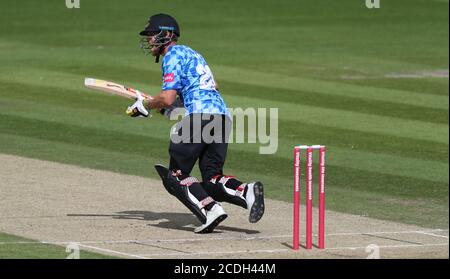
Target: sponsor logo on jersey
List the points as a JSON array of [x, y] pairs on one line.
[[169, 77]]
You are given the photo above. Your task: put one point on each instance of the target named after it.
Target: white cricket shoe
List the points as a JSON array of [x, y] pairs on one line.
[[255, 201], [213, 218]]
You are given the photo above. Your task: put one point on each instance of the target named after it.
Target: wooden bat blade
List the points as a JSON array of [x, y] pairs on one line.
[[112, 88]]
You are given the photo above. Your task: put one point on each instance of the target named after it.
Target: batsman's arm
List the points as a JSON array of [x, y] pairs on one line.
[[162, 100]]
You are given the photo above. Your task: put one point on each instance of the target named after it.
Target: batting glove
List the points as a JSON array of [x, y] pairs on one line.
[[138, 109]]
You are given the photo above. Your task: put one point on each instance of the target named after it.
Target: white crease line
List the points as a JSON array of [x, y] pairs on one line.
[[259, 237], [395, 232], [219, 238], [111, 251], [391, 246], [283, 236], [433, 234], [286, 250], [212, 253]]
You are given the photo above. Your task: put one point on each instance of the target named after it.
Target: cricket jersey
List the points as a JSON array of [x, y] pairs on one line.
[[186, 71]]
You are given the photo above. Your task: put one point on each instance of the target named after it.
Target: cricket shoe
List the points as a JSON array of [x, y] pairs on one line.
[[255, 201], [213, 218]]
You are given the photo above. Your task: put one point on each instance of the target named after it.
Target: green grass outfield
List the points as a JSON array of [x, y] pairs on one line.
[[322, 63], [13, 247]]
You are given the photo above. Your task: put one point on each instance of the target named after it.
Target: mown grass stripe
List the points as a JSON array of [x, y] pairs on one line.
[[300, 132], [117, 141], [387, 164], [293, 84], [121, 123], [107, 111], [362, 122], [61, 80], [276, 81], [82, 154], [104, 116], [94, 112], [426, 85], [333, 117], [360, 105], [363, 160]]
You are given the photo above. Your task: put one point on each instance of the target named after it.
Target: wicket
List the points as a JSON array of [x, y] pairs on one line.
[[309, 186]]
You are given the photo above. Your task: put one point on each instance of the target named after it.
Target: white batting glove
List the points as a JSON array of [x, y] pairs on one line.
[[138, 109]]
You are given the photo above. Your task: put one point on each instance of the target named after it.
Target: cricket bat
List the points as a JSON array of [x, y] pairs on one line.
[[113, 88]]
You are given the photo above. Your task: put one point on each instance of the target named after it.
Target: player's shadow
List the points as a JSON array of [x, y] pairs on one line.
[[166, 220]]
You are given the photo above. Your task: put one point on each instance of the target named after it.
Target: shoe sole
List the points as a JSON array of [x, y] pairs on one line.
[[257, 210], [214, 224]]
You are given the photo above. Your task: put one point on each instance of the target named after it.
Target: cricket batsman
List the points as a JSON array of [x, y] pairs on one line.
[[187, 81]]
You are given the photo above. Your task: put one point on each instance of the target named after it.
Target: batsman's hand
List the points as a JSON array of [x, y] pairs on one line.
[[138, 109]]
